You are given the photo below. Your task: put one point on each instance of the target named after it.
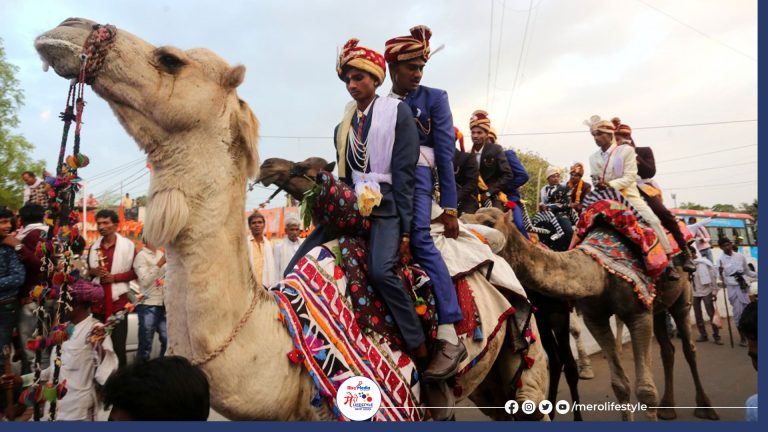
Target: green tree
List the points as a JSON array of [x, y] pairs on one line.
[[14, 149], [730, 208], [750, 209], [535, 165], [692, 206]]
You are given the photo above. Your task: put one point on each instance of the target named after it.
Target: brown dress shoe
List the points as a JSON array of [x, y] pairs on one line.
[[440, 400], [445, 361]]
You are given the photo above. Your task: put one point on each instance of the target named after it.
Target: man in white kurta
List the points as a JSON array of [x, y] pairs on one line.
[[730, 263], [85, 361], [260, 253], [286, 249]]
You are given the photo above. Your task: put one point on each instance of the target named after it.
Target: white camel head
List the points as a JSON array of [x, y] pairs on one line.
[[181, 107]]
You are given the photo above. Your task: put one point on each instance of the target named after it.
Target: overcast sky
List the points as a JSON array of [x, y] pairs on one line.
[[536, 70]]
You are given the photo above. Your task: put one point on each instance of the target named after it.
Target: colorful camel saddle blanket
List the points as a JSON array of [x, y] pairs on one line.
[[609, 208], [328, 341]]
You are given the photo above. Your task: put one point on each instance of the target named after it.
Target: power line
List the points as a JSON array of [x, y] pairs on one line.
[[519, 63], [707, 153], [498, 56], [737, 51], [115, 169], [706, 169], [490, 51], [670, 126], [712, 186]]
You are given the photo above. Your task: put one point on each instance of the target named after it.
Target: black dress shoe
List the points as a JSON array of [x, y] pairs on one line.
[[445, 361]]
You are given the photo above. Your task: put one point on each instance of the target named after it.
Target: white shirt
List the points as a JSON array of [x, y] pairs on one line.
[[705, 277], [28, 189], [81, 367], [284, 251], [151, 277], [733, 264]]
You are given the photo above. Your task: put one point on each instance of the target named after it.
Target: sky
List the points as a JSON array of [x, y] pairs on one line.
[[681, 73]]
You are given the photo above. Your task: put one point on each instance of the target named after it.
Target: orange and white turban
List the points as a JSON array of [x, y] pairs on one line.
[[480, 119], [361, 58], [595, 124], [403, 48]]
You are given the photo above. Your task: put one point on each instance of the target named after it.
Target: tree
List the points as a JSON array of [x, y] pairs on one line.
[[535, 165], [750, 209], [692, 206], [729, 208], [14, 149]]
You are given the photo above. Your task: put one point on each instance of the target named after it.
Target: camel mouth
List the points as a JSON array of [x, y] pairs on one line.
[[63, 55], [268, 180]]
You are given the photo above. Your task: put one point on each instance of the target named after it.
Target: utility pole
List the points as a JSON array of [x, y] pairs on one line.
[[674, 198]]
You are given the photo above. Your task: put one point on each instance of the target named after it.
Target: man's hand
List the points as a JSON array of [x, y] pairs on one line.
[[487, 201], [98, 334], [405, 250], [162, 261], [602, 185], [10, 240], [542, 207], [107, 277], [451, 224], [10, 381]]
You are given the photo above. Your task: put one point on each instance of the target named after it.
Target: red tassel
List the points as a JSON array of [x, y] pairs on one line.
[[529, 361], [296, 356]]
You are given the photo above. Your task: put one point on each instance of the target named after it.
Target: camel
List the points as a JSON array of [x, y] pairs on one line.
[[574, 276], [183, 111]]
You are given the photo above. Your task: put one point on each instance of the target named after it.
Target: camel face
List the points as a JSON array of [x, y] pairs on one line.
[[295, 177], [274, 171], [157, 92]]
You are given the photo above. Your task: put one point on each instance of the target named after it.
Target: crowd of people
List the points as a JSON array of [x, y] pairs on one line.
[[398, 153]]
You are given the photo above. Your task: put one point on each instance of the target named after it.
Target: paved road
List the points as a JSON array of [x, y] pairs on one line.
[[727, 374]]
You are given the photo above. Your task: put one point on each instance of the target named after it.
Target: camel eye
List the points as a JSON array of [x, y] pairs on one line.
[[171, 62]]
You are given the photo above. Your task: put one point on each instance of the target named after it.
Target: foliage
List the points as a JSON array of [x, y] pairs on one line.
[[14, 149], [693, 206], [730, 208]]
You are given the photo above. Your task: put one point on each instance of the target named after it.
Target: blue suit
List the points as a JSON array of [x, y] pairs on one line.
[[512, 188], [434, 121], [389, 220]]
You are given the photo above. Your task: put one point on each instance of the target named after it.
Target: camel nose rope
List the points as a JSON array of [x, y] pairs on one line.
[[95, 50]]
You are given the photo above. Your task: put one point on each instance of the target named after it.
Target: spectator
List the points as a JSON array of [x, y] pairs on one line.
[[35, 191], [11, 277], [166, 388], [733, 270], [149, 266], [110, 263], [87, 357], [260, 252], [748, 327], [285, 250], [705, 291], [30, 236], [701, 235], [127, 202]]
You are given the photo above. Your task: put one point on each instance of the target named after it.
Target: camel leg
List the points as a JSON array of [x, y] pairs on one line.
[[640, 332], [600, 328], [681, 314], [619, 335], [561, 325], [668, 360], [585, 366], [550, 347]]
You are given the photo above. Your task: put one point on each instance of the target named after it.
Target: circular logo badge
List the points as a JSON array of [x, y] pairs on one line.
[[358, 398]]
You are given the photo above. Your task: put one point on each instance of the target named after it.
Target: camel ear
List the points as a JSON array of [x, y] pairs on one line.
[[245, 136], [234, 77], [330, 167]]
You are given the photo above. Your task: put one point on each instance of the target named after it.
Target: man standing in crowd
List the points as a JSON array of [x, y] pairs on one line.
[[30, 236], [149, 266], [110, 263], [34, 189], [702, 237], [286, 249], [88, 358], [733, 269], [260, 252], [11, 277], [705, 291], [406, 57]]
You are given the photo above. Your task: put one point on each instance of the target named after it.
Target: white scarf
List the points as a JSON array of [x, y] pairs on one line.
[[122, 261], [380, 141], [29, 228]]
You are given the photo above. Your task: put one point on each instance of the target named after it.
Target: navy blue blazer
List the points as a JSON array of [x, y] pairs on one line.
[[397, 198], [520, 176], [435, 127]]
